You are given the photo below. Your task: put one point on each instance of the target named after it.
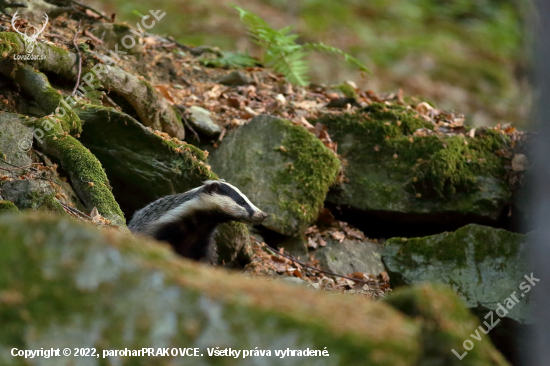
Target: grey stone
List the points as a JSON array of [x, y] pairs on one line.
[[26, 194], [351, 256], [15, 141], [201, 120], [236, 78], [294, 281], [482, 264]]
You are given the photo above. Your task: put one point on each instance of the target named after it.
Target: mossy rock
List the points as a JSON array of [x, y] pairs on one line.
[[446, 326], [388, 169], [142, 165], [7, 206], [282, 168], [482, 264], [31, 194], [68, 283]]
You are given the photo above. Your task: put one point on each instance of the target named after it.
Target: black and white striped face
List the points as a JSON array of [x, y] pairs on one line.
[[224, 197]]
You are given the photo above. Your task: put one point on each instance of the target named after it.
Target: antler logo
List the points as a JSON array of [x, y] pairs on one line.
[[30, 41]]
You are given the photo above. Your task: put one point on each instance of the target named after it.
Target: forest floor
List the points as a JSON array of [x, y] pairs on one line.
[[467, 55]]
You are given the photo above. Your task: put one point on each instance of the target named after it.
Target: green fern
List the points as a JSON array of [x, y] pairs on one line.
[[282, 53], [230, 60], [321, 47]]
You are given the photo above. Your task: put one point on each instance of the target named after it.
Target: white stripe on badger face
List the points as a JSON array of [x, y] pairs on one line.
[[254, 208], [207, 202], [225, 204]]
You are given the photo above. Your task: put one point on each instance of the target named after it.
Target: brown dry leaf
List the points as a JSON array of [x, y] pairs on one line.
[[163, 89], [150, 41], [424, 108], [279, 267], [311, 243], [509, 130], [311, 230], [91, 14], [338, 235]]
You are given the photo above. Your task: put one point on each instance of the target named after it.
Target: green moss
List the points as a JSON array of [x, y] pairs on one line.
[[10, 44], [7, 206], [453, 247], [193, 157], [46, 202], [451, 163], [445, 323], [435, 166], [312, 167], [121, 28], [51, 204], [36, 84], [347, 90], [79, 278], [87, 174]]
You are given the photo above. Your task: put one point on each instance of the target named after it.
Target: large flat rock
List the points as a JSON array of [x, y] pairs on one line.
[[65, 284], [482, 264], [428, 177]]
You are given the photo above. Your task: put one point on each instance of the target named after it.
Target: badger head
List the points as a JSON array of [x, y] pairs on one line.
[[226, 199]]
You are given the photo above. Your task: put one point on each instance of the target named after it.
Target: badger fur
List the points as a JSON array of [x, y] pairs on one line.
[[188, 220]]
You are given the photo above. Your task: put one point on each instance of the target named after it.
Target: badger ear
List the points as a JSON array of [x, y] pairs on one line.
[[211, 186]]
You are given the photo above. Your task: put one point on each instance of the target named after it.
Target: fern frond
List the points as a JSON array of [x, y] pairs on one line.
[[231, 60], [257, 27], [321, 47], [291, 64], [282, 53]]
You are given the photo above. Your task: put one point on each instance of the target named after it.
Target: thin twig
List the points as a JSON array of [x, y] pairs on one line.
[[182, 110], [320, 270], [74, 210], [79, 60], [112, 102], [17, 168], [190, 127], [222, 135]]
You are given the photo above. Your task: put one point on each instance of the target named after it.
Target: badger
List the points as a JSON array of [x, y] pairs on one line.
[[187, 221]]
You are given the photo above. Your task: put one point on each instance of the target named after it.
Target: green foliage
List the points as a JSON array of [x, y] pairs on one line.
[[282, 53], [231, 60], [321, 47]]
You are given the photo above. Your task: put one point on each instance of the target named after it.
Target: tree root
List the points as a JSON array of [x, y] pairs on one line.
[[86, 173], [36, 84], [151, 107]]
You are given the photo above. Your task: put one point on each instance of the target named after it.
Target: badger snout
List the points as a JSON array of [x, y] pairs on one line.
[[259, 216]]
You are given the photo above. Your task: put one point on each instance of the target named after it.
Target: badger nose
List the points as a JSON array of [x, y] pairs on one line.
[[263, 216]]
